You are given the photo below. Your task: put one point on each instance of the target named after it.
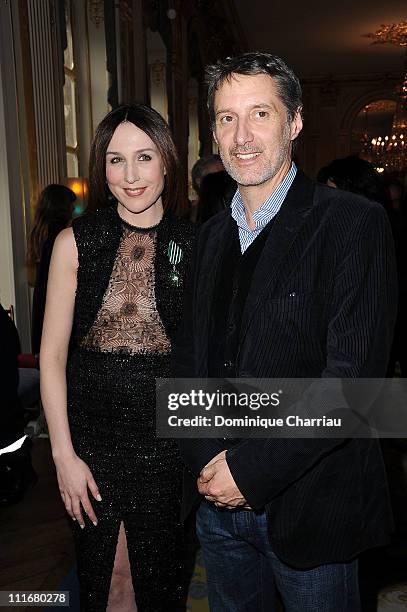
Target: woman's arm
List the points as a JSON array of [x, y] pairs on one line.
[[74, 476]]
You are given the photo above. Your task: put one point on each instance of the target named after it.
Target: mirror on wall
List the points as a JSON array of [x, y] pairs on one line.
[[373, 121]]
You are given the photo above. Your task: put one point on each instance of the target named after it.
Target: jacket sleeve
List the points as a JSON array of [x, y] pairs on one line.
[[196, 452], [359, 336]]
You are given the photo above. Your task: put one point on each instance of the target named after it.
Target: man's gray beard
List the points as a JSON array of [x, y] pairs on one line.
[[269, 172]]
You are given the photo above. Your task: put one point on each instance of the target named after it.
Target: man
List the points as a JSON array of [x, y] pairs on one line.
[[204, 166], [294, 280], [211, 164]]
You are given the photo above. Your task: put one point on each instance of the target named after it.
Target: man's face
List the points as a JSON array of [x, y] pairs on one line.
[[252, 129]]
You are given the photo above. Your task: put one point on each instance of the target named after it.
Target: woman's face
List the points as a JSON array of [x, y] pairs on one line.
[[135, 173]]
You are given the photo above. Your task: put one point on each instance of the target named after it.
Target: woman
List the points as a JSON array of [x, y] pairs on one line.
[[52, 214], [126, 263]]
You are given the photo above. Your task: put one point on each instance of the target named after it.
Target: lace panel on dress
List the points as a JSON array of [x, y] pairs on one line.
[[128, 320]]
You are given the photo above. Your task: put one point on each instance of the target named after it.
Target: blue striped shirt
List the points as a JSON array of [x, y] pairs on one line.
[[264, 213]]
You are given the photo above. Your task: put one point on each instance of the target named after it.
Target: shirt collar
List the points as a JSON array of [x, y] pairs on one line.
[[270, 207]]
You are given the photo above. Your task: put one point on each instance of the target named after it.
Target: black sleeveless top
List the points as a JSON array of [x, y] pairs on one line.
[[98, 238]]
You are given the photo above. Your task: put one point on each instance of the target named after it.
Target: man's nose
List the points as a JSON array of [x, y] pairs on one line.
[[131, 173], [243, 133]]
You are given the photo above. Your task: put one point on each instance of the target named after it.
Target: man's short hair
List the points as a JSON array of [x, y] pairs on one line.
[[288, 85], [199, 169]]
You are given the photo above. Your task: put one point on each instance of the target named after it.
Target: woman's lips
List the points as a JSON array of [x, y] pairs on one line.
[[134, 193]]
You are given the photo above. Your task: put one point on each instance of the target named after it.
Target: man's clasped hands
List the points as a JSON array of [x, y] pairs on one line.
[[217, 484]]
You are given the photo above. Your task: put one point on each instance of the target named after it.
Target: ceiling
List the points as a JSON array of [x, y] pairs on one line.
[[324, 37]]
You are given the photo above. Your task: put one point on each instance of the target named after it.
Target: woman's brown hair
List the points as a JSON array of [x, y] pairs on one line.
[[54, 208], [150, 122]]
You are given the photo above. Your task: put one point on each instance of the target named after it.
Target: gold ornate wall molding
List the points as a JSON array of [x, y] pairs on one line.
[[331, 105], [157, 69], [375, 92], [158, 88], [96, 12]]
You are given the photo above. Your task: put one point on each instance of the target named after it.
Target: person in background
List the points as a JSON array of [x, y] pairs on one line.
[[355, 175], [395, 191], [398, 219], [216, 192], [359, 176], [115, 299], [16, 471], [53, 213], [204, 166]]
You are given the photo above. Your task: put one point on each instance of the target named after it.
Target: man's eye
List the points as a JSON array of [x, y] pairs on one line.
[[145, 157], [261, 114], [226, 119]]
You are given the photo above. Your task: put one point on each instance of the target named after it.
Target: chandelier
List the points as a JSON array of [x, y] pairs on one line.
[[388, 152]]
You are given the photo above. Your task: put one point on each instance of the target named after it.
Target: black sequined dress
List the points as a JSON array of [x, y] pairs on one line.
[[128, 306]]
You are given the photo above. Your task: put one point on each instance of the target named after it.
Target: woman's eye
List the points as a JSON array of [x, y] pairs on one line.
[[115, 160], [145, 157]]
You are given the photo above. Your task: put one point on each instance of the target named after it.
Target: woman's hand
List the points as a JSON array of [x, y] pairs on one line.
[[74, 479]]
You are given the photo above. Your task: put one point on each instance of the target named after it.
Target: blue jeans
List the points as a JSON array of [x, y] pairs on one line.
[[243, 572]]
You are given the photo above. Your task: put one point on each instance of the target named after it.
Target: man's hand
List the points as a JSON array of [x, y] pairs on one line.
[[217, 484], [218, 457]]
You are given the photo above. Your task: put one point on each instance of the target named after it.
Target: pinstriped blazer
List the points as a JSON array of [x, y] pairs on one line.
[[322, 303]]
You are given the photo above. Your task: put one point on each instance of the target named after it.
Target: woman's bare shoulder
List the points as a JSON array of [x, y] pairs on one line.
[[65, 247]]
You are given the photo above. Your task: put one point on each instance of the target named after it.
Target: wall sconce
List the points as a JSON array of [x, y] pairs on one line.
[[79, 186]]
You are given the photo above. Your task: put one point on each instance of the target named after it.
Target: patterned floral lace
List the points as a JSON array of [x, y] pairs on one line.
[[128, 320]]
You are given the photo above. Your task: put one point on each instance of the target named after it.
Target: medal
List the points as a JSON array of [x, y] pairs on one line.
[[175, 255]]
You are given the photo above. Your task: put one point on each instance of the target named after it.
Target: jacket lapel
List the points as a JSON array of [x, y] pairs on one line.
[[208, 272], [286, 227]]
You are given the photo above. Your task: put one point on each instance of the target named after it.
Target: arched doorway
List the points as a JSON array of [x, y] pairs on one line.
[[371, 130]]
